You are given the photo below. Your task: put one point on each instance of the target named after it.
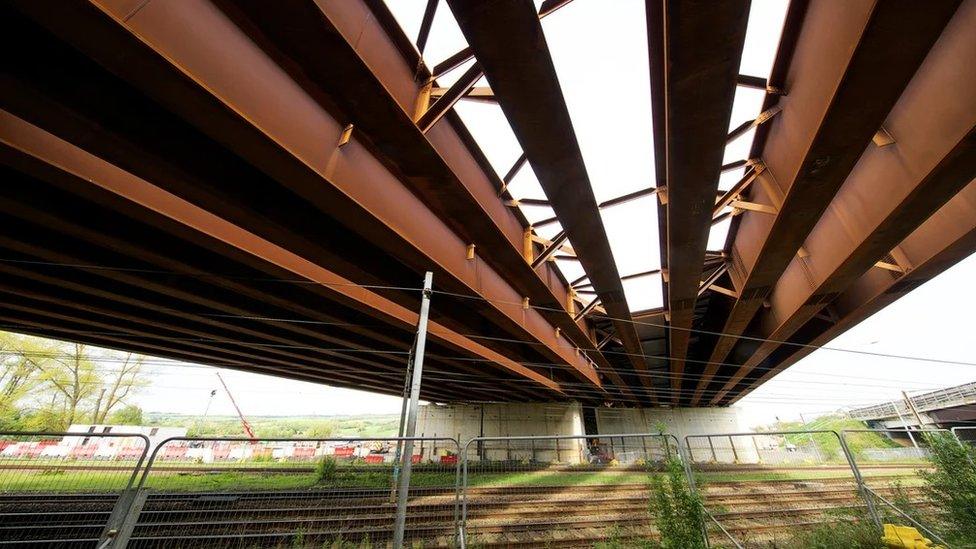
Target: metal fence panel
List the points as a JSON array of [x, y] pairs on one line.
[[560, 489], [890, 462], [769, 489], [965, 434], [231, 492], [61, 488]]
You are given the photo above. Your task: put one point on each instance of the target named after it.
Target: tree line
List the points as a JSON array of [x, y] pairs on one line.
[[47, 385]]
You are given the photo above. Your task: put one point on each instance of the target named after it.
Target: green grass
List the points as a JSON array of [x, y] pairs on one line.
[[96, 481]]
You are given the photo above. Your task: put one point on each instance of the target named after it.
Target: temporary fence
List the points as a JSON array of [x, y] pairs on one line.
[[231, 492], [771, 487], [966, 435], [113, 490], [548, 489], [890, 462], [67, 488]]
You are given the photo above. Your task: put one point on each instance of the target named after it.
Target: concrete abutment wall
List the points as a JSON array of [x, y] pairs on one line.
[[467, 421]]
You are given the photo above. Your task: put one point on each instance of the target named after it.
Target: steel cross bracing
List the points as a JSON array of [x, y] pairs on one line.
[[163, 199]]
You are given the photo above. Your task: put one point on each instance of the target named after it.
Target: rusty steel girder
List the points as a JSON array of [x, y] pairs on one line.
[[890, 191], [184, 70], [843, 80], [376, 84], [944, 239], [523, 78], [28, 139], [701, 72]]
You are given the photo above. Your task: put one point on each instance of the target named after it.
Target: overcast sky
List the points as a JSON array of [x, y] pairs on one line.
[[599, 49]]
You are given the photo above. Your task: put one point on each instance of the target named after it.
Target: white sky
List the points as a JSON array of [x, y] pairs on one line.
[[599, 49]]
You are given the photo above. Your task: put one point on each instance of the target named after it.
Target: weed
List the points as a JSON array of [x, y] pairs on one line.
[[325, 469], [850, 531], [678, 513], [951, 486]]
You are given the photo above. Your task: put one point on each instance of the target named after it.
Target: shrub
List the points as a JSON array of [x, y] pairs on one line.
[[678, 513], [325, 469], [952, 486]]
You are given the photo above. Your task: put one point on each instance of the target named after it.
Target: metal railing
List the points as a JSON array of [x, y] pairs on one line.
[[67, 488], [934, 400], [543, 489]]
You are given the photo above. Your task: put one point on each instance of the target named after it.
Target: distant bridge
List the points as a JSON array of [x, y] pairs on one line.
[[951, 407]]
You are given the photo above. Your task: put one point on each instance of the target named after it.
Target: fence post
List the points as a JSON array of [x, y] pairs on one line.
[[123, 519], [735, 455], [411, 425], [860, 480], [457, 493], [462, 524]]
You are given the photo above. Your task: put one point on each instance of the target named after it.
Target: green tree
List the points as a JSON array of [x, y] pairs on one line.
[[73, 376], [321, 429], [128, 415], [118, 384], [19, 372]]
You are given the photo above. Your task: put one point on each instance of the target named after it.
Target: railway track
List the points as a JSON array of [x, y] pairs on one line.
[[549, 515], [165, 468]]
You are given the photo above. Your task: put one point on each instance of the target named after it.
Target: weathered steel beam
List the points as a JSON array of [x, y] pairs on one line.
[[944, 239], [845, 77], [86, 326], [654, 16], [467, 54], [31, 140], [373, 84], [477, 93], [624, 277], [425, 25], [763, 117], [736, 190], [522, 74], [286, 143], [890, 191], [701, 71], [449, 98], [550, 250], [747, 81], [587, 309], [713, 278], [623, 199], [79, 222], [512, 172], [54, 326]]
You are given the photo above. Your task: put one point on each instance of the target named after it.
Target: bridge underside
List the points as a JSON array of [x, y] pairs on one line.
[[261, 186]]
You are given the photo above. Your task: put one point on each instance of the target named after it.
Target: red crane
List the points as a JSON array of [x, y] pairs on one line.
[[247, 426]]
